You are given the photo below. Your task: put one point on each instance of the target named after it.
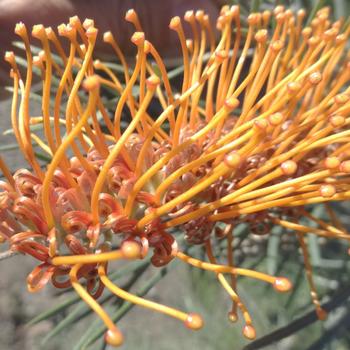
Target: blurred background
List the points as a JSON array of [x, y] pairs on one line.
[[53, 320]]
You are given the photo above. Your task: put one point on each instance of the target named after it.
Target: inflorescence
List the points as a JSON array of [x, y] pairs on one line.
[[258, 130]]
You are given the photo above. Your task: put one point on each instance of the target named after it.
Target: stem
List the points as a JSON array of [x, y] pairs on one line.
[[7, 254], [300, 323]]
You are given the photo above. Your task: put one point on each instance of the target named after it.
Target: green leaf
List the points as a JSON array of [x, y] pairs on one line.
[[318, 4], [54, 310], [272, 253], [255, 6]]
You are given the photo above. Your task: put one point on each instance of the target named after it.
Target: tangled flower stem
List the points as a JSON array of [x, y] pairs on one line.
[[258, 130], [192, 321], [248, 330], [113, 335]]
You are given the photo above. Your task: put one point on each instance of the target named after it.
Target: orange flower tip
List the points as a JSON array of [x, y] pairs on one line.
[[315, 22], [189, 44], [249, 332], [221, 55], [277, 45], [108, 37], [323, 18], [232, 160], [97, 64], [330, 34], [232, 316], [275, 119], [38, 31], [49, 32], [61, 29], [261, 36], [321, 314], [37, 61], [177, 96], [194, 321], [175, 23], [323, 12], [152, 82], [114, 337], [282, 284], [314, 41], [306, 33], [131, 250], [200, 15], [253, 19], [289, 167], [259, 17], [74, 21], [131, 16], [293, 87], [224, 9], [315, 78], [337, 24], [231, 103], [189, 16], [10, 57], [301, 13], [340, 39], [331, 162], [234, 9], [266, 15], [88, 22], [42, 55], [341, 99], [337, 120], [327, 191], [261, 124], [138, 38], [289, 13], [20, 29], [345, 166], [66, 30], [92, 82], [91, 32], [291, 22], [280, 17], [278, 9]]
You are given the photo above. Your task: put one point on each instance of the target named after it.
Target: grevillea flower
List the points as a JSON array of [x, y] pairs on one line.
[[258, 130]]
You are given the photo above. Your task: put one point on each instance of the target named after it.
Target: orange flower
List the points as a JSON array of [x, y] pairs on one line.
[[258, 130]]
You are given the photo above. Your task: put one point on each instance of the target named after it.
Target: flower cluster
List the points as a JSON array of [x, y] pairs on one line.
[[257, 131]]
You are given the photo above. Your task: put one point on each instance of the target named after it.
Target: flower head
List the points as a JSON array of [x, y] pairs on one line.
[[257, 131]]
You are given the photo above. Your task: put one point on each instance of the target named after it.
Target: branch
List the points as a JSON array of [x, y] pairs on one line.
[[7, 254], [299, 323], [331, 333]]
